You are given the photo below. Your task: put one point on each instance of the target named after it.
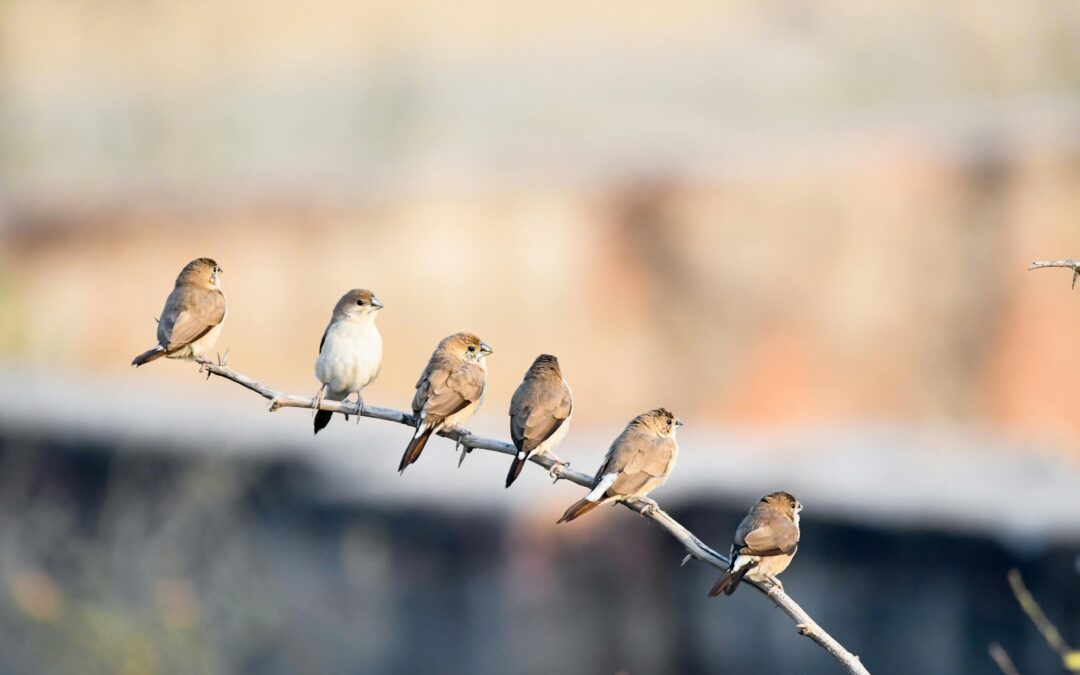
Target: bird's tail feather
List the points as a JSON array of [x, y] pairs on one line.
[[415, 447], [580, 508], [148, 356], [322, 418], [729, 582], [515, 469]]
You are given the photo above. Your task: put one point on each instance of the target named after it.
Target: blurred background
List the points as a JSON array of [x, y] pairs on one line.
[[802, 226]]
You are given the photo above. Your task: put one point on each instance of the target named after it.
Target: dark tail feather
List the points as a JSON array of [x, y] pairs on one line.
[[148, 356], [515, 470], [415, 447], [322, 418], [729, 582], [582, 507]]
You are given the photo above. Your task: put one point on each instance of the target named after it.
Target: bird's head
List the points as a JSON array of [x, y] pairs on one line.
[[466, 347], [357, 303], [201, 271], [786, 502], [545, 363], [661, 420]]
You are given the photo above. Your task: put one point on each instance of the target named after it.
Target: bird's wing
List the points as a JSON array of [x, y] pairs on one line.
[[423, 387], [639, 460], [537, 412], [189, 314], [324, 334], [775, 535], [652, 456], [450, 391]]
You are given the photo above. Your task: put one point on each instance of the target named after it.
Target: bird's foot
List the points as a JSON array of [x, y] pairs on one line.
[[317, 402], [557, 469], [650, 508], [275, 404], [223, 359], [461, 443], [775, 582], [359, 408]]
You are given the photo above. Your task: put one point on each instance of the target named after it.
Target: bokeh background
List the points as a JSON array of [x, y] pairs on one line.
[[802, 226]]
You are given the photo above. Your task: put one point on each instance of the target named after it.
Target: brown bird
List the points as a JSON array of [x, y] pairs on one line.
[[191, 321], [350, 353], [539, 412], [639, 461], [764, 544], [449, 391]]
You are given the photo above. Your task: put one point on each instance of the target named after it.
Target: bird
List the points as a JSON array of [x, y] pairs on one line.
[[765, 543], [449, 391], [350, 353], [539, 412], [193, 315], [637, 462]]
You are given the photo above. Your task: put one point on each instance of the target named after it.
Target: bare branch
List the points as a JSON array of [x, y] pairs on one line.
[[1069, 263], [1070, 658], [1001, 658], [694, 546]]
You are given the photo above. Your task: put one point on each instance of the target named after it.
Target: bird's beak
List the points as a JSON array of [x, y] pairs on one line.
[[376, 303], [486, 349], [678, 422]]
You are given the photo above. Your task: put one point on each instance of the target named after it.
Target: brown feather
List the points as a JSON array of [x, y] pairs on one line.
[[415, 447], [729, 582], [580, 508], [148, 356]]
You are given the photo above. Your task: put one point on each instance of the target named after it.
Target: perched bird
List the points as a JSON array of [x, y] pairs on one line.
[[764, 544], [350, 353], [449, 391], [194, 311], [639, 460], [539, 412]]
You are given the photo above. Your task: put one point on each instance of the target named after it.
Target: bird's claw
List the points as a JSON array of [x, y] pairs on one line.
[[556, 470], [275, 404], [223, 359], [650, 508], [465, 449]]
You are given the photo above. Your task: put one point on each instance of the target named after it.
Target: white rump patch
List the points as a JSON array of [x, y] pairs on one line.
[[601, 487]]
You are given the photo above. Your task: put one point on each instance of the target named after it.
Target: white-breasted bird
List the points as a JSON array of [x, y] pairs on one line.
[[351, 351]]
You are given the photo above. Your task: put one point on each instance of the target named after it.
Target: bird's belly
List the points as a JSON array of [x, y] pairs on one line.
[[350, 360], [206, 342], [769, 566], [462, 416]]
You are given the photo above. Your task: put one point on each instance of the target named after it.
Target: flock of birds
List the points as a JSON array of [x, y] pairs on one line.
[[451, 389]]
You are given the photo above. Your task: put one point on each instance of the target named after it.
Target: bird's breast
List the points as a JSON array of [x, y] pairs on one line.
[[351, 356]]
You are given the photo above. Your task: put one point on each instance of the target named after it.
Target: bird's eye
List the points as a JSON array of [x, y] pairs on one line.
[[472, 348], [360, 302]]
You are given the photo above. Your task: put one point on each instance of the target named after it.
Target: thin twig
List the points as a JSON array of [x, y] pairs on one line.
[[694, 546], [1001, 658], [1069, 263], [1070, 658]]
